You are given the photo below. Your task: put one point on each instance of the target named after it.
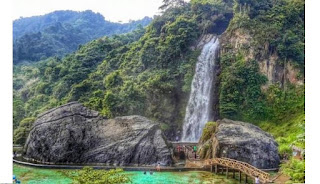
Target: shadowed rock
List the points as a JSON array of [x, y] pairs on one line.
[[74, 134]]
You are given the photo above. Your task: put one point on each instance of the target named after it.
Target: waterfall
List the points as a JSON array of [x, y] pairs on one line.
[[199, 106]]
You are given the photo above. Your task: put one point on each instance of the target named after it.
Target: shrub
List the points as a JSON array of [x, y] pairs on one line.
[[295, 169], [208, 131], [21, 133], [89, 175]]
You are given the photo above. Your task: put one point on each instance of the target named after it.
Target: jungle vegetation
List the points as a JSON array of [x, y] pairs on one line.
[[149, 70]]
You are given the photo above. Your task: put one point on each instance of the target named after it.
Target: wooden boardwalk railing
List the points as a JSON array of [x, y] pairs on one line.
[[243, 167]]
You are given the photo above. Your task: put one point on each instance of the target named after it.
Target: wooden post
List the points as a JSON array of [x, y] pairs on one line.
[[246, 179], [227, 169], [211, 168], [234, 174], [216, 168], [240, 176], [222, 170]]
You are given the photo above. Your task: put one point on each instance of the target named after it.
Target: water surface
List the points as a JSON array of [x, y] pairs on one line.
[[30, 175]]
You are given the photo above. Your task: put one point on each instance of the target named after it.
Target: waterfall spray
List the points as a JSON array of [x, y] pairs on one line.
[[199, 106]]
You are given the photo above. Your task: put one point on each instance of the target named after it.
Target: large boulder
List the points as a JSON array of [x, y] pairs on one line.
[[74, 134], [240, 141]]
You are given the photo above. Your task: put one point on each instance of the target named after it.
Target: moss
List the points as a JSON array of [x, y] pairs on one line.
[[164, 127], [208, 131], [205, 150]]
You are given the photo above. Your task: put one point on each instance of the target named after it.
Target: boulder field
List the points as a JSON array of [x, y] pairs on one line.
[[73, 133]]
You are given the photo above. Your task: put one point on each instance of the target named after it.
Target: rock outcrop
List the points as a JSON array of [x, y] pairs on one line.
[[269, 62], [74, 134], [241, 141]]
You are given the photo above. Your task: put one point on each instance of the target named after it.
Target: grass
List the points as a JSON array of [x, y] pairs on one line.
[[288, 131]]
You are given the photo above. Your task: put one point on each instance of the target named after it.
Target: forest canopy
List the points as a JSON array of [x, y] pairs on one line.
[[61, 32]]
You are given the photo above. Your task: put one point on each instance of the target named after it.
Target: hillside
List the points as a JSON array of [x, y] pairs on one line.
[[61, 32], [260, 70]]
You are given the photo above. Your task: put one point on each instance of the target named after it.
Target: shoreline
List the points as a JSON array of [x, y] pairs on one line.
[[125, 168]]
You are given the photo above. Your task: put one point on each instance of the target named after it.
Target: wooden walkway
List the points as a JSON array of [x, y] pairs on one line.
[[101, 166], [242, 167]]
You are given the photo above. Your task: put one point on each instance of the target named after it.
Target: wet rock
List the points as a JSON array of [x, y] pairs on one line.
[[74, 134]]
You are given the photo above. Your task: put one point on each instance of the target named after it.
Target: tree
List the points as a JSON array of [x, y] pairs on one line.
[[89, 175], [21, 133], [171, 4], [18, 111]]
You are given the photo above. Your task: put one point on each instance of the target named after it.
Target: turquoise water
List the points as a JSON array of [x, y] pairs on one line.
[[194, 177], [31, 175]]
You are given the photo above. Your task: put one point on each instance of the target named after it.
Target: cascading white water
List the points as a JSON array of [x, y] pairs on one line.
[[198, 108]]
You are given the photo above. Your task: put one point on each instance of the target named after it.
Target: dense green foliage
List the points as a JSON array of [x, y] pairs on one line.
[[295, 169], [290, 131], [282, 103], [21, 133], [46, 84], [213, 16], [205, 151], [208, 131], [88, 21], [240, 94], [279, 25], [61, 32], [275, 28], [147, 72], [89, 175]]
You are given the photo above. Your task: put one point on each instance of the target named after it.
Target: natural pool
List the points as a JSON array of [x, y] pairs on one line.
[[30, 175]]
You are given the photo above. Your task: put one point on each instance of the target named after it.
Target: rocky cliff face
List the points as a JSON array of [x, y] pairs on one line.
[[74, 134], [242, 141], [269, 63]]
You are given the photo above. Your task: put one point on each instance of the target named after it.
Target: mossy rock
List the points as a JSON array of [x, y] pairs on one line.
[[208, 131], [205, 150]]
